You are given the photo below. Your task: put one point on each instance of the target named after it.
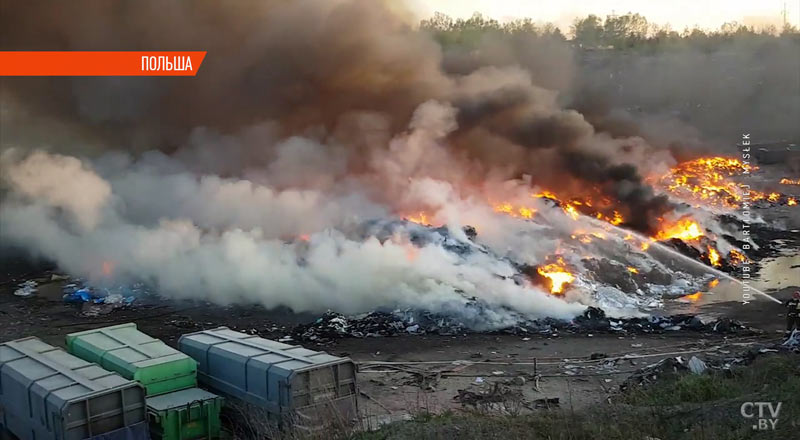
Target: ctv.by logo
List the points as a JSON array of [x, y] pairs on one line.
[[749, 410]]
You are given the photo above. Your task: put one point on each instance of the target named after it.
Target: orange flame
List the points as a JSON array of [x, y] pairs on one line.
[[571, 211], [685, 229], [421, 218], [587, 207], [735, 257], [693, 297], [773, 197], [557, 274], [632, 269], [508, 208], [786, 181], [791, 201], [546, 194], [412, 252], [713, 256], [108, 268]]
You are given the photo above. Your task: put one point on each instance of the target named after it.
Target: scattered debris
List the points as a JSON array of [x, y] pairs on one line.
[[517, 381], [96, 301], [376, 401], [499, 397], [332, 326], [25, 289], [793, 341], [696, 365], [80, 296], [649, 374], [546, 403], [183, 322]]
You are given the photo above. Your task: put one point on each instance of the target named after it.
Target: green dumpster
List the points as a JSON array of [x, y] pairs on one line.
[[136, 356], [186, 414]]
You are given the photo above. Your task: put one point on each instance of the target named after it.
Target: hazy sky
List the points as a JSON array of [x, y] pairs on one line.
[[678, 13]]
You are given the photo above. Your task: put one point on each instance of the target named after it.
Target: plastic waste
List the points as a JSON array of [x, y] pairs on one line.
[[27, 288]]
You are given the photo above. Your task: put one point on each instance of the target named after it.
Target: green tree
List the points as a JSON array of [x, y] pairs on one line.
[[625, 30], [588, 32]]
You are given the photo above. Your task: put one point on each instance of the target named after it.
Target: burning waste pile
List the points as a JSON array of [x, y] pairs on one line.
[[376, 174]]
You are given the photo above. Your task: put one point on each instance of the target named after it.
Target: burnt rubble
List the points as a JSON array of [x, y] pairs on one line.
[[769, 240], [332, 326], [422, 235]]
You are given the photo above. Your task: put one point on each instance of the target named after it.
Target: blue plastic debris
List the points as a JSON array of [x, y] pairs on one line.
[[80, 296], [88, 294]]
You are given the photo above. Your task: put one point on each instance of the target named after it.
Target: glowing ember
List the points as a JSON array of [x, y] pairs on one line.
[[583, 238], [508, 208], [576, 206], [714, 283], [557, 274], [685, 229], [707, 179], [633, 269], [504, 207], [735, 257], [786, 181], [791, 201], [773, 197], [713, 256]]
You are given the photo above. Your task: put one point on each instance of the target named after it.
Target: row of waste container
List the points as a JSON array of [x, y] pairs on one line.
[[117, 383]]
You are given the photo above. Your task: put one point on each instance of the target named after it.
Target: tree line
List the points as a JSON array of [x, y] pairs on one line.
[[628, 31]]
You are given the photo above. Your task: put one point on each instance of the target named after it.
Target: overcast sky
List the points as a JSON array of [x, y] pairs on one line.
[[678, 13]]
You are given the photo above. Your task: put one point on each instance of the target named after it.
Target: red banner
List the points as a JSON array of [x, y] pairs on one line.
[[20, 63]]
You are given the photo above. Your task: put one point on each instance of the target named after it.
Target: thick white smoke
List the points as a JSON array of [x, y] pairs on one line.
[[285, 241]]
